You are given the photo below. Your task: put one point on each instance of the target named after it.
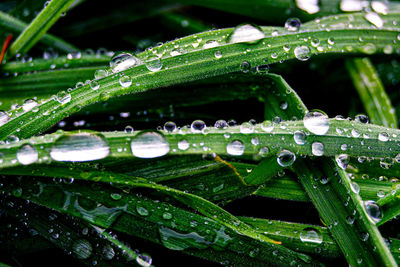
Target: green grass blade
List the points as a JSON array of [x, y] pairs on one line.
[[38, 27], [372, 93], [204, 63], [14, 25]]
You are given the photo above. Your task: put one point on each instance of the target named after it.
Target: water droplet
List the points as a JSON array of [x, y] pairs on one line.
[[198, 126], [311, 235], [299, 137], [350, 219], [94, 85], [368, 49], [374, 18], [123, 61], [246, 128], [128, 129], [292, 24], [255, 141], [125, 81], [144, 260], [210, 44], [218, 54], [80, 147], [142, 211], [245, 67], [317, 149], [183, 145], [167, 216], [108, 252], [27, 154], [99, 74], [353, 5], [316, 122], [267, 126], [355, 187], [170, 126], [262, 68], [286, 158], [373, 211], [154, 64], [315, 42], [63, 97], [82, 249], [364, 236], [342, 161], [149, 145], [29, 104], [380, 7], [116, 196], [302, 52], [355, 133], [310, 6], [384, 137], [221, 124], [381, 194], [4, 117], [246, 33], [361, 118], [235, 148]]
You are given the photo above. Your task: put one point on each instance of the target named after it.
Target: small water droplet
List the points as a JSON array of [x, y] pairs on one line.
[[170, 127], [384, 137], [154, 64], [302, 52], [355, 187], [198, 126], [246, 128], [311, 235], [245, 67], [342, 161], [373, 211], [125, 81], [292, 24], [183, 145], [221, 124], [94, 85], [267, 126], [82, 249], [317, 149], [99, 74], [299, 137], [361, 118], [218, 54], [63, 97], [374, 18], [29, 104], [286, 158]]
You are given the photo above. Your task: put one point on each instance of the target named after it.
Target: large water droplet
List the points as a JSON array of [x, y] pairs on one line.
[[246, 33], [198, 126], [27, 154], [80, 147], [122, 62], [286, 158], [316, 122], [82, 249], [29, 104], [235, 148], [373, 211], [310, 6], [149, 145], [342, 161], [317, 149], [302, 52], [384, 137], [311, 235], [374, 18]]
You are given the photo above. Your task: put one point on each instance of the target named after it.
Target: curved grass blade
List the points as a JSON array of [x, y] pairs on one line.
[[203, 63], [14, 25], [372, 93], [38, 27], [64, 197]]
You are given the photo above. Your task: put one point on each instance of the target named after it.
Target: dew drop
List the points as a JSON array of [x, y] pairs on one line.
[[123, 61], [154, 64], [29, 104], [149, 145], [245, 67], [128, 129], [63, 97], [170, 126], [317, 149], [27, 154], [235, 148], [361, 118], [221, 124], [142, 211], [144, 260], [286, 158], [316, 122], [99, 74], [302, 52], [299, 137], [311, 235], [292, 24], [355, 187], [210, 44], [94, 85], [198, 126], [82, 249], [310, 6], [384, 137], [267, 126], [183, 145], [373, 211], [80, 147], [218, 54], [246, 33], [342, 161], [374, 18], [4, 117], [246, 128], [125, 81]]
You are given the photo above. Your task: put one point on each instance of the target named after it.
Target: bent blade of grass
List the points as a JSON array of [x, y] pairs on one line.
[[77, 199], [38, 27], [199, 63], [13, 25], [372, 92]]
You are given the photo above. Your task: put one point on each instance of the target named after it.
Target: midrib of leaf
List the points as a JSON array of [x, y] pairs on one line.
[[14, 25], [202, 63], [38, 27], [372, 93]]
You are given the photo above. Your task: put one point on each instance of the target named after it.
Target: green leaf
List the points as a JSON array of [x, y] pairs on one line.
[[38, 27]]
